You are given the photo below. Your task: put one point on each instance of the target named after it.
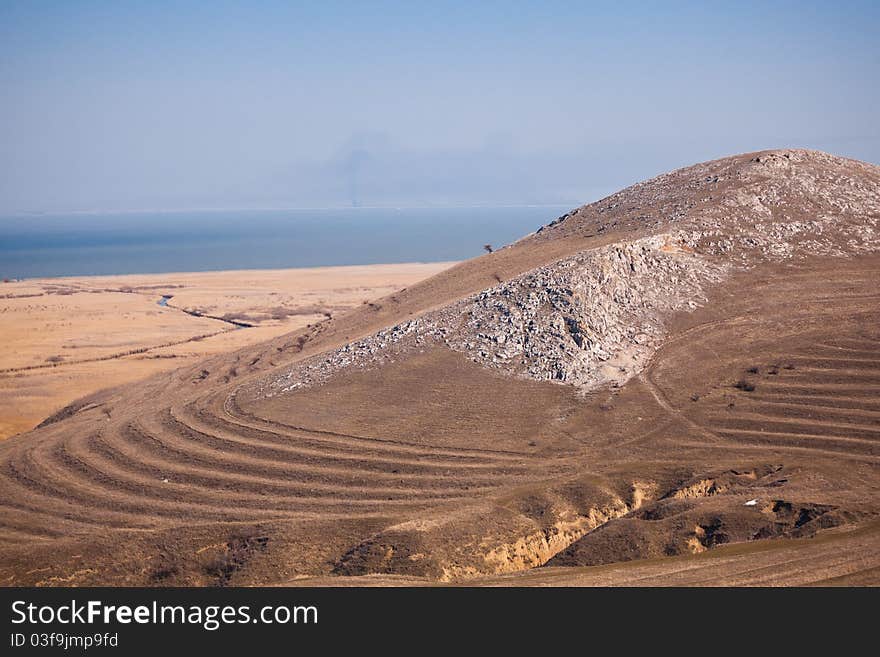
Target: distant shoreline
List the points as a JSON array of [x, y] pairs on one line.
[[152, 243], [224, 273]]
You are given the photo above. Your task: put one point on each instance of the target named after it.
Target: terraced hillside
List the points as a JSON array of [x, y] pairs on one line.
[[689, 366]]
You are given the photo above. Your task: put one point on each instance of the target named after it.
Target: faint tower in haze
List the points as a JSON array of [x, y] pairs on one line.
[[354, 163]]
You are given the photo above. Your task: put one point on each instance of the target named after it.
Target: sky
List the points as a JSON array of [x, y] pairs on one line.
[[115, 106]]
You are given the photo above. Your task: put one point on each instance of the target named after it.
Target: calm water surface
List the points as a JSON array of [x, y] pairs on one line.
[[80, 245]]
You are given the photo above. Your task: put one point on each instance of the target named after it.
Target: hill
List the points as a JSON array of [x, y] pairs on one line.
[[690, 364]]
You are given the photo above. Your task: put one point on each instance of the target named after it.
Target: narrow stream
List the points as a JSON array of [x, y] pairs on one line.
[[236, 323]]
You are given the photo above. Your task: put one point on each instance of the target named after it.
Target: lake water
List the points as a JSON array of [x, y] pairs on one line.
[[80, 245]]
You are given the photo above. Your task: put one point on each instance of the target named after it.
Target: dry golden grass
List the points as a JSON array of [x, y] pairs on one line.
[[65, 338]]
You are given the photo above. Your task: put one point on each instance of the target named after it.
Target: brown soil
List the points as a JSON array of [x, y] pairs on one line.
[[432, 469]]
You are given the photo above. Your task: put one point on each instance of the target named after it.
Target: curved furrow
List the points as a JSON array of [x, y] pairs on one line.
[[381, 462], [795, 425], [856, 417], [91, 482], [212, 482], [169, 504], [242, 418], [809, 441], [866, 347], [864, 351], [838, 300], [793, 569], [70, 523], [353, 447], [865, 407], [829, 401], [27, 530], [100, 490], [843, 388], [10, 537], [833, 362], [737, 447], [332, 478], [60, 504], [823, 376]]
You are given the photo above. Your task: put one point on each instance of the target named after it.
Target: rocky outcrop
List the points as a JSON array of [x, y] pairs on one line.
[[596, 317], [586, 320]]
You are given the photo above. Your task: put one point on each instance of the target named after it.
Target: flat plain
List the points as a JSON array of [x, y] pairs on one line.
[[64, 338]]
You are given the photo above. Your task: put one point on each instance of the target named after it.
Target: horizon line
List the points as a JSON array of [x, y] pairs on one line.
[[210, 210]]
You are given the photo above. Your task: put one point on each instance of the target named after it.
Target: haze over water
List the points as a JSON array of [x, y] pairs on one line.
[[130, 243], [114, 106]]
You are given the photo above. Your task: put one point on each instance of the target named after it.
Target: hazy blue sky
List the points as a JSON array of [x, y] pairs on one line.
[[141, 105]]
